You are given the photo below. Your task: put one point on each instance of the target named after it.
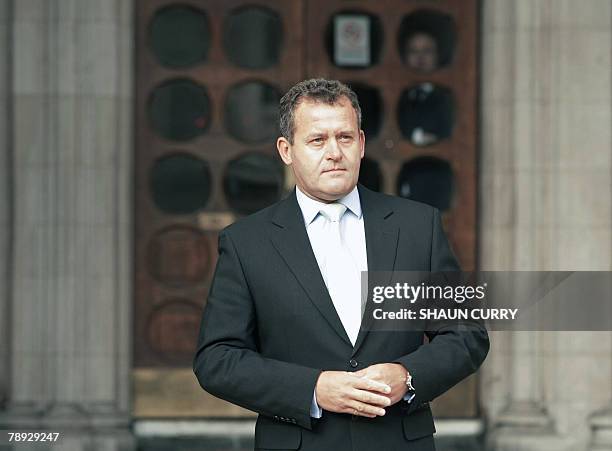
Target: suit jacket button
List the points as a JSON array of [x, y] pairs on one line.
[[354, 363]]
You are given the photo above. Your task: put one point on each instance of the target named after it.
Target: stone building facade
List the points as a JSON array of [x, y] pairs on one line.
[[66, 121]]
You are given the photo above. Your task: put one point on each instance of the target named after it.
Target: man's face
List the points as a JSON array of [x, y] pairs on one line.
[[327, 149], [422, 53]]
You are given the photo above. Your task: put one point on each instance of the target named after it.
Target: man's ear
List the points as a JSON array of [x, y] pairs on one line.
[[362, 142], [284, 150]]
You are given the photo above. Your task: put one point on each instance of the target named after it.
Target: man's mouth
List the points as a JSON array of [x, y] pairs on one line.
[[334, 170]]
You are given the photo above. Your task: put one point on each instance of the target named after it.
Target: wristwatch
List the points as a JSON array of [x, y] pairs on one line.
[[410, 390]]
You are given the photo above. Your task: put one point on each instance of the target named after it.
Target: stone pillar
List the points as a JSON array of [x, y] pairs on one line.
[[71, 171], [5, 198], [525, 406], [601, 425], [546, 205]]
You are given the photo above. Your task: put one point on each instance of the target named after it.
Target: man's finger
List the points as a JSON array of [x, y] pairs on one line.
[[373, 399], [365, 410], [364, 383]]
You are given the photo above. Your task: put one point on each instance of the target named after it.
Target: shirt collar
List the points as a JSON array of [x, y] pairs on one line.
[[310, 207]]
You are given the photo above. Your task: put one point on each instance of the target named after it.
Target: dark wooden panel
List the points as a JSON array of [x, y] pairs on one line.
[[176, 254]]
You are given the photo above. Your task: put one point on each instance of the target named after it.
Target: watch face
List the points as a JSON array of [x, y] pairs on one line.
[[410, 390], [409, 382]]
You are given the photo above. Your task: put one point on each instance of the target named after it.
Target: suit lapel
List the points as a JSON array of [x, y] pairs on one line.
[[289, 237], [381, 245]]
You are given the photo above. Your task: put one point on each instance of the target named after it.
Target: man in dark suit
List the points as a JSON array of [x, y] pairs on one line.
[[282, 332]]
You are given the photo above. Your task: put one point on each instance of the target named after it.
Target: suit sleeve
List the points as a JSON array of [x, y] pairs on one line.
[[227, 362], [454, 350]]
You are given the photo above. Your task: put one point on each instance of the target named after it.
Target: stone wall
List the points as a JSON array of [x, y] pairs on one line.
[[5, 197], [546, 204], [66, 69], [71, 126]]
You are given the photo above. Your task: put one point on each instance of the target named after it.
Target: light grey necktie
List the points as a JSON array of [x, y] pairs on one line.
[[341, 274]]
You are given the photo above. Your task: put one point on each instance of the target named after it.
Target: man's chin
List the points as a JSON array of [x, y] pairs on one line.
[[335, 192]]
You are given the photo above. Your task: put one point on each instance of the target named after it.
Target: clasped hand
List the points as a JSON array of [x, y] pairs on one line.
[[365, 392]]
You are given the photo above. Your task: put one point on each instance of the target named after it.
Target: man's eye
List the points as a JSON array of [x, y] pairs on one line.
[[317, 141], [345, 138]]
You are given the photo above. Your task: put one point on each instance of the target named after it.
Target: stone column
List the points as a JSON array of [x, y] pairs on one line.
[[546, 205], [5, 198], [601, 426], [71, 170]]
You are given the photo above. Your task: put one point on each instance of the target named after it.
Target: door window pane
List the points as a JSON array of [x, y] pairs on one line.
[[426, 40], [253, 37], [426, 114], [428, 180], [371, 104], [180, 36], [251, 111], [252, 182], [179, 110], [180, 184], [354, 39]]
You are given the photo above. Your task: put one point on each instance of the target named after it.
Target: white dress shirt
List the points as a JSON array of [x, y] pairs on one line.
[[352, 230]]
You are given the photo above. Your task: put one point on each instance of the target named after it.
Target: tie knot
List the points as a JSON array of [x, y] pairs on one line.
[[333, 212]]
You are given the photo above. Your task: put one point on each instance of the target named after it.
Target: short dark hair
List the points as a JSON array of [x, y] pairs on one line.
[[317, 90]]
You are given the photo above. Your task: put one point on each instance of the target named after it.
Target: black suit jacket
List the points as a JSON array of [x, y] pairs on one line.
[[269, 328]]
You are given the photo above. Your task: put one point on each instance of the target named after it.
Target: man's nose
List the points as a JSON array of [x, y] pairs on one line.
[[333, 150]]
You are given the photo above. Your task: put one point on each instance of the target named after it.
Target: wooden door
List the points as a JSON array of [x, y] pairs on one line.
[[208, 80]]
